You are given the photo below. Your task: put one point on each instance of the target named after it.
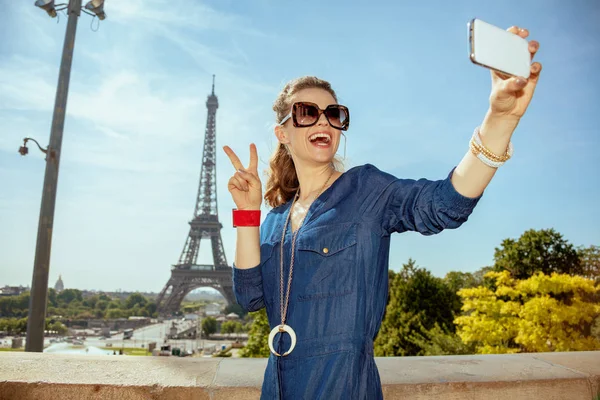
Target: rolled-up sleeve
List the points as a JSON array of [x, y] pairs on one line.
[[425, 206], [248, 288]]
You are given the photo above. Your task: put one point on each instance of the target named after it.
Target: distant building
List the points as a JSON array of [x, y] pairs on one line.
[[191, 317], [12, 290], [59, 286], [212, 309]]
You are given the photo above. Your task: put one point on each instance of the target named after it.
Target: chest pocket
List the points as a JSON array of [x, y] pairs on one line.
[[326, 264]]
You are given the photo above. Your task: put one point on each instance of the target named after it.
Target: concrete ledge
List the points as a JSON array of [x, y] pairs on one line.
[[23, 376]]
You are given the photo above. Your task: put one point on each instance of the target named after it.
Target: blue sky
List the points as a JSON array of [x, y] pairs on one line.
[[136, 117]]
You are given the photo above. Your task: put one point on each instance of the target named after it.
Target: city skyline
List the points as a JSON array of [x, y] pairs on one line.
[[136, 116]]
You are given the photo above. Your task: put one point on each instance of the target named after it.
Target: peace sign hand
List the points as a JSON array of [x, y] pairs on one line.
[[245, 186]]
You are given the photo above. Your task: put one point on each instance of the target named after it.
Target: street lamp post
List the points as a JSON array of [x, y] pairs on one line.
[[41, 266]]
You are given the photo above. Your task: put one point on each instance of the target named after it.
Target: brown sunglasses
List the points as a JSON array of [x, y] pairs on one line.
[[306, 114]]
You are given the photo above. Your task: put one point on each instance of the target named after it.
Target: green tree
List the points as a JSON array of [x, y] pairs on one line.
[[238, 327], [231, 327], [456, 280], [114, 313], [52, 298], [52, 325], [236, 308], [22, 325], [150, 309], [114, 304], [209, 326], [101, 305], [104, 297], [537, 251], [59, 327], [84, 314], [76, 304], [135, 311], [440, 342], [8, 325], [91, 301], [590, 261], [15, 306], [258, 345], [135, 299], [417, 301], [227, 327], [69, 295]]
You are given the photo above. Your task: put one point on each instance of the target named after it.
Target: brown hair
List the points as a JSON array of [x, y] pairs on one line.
[[282, 181]]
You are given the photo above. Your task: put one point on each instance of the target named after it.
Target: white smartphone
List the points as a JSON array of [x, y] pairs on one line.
[[497, 49]]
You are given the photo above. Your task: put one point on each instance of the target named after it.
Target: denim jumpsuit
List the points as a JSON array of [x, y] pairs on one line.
[[340, 280]]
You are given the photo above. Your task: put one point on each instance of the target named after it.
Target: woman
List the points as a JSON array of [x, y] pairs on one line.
[[319, 263]]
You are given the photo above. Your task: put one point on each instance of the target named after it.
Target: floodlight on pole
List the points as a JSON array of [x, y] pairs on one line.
[[97, 7], [48, 6], [41, 267]]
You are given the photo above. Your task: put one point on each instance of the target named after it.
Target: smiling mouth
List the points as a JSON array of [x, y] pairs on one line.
[[320, 138]]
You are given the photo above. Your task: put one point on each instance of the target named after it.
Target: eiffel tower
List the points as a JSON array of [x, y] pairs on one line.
[[187, 275]]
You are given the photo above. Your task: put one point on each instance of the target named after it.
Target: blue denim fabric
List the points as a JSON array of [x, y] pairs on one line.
[[338, 296]]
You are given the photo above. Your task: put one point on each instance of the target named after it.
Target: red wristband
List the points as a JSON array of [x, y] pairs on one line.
[[246, 218]]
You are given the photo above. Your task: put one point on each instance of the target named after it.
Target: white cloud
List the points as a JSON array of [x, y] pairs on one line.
[[132, 148], [183, 14]]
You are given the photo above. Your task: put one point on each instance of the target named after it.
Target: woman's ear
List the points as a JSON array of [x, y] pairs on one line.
[[281, 135]]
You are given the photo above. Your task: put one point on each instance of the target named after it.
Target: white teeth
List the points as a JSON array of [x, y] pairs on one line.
[[320, 135]]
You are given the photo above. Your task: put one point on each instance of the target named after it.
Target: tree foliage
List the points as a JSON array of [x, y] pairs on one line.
[[69, 295], [542, 313], [237, 309], [70, 304], [232, 327], [258, 345], [135, 299], [18, 326], [537, 251], [590, 261], [438, 341], [14, 306], [209, 326], [417, 301]]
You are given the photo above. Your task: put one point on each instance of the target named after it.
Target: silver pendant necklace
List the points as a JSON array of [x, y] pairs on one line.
[[283, 327]]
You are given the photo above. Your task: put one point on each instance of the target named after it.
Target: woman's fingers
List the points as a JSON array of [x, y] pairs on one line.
[[519, 31], [534, 46], [243, 180], [235, 184], [243, 183], [515, 84], [248, 177], [237, 164], [536, 68], [253, 158]]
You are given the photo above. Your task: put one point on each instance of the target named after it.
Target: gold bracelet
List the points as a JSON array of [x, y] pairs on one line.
[[479, 148], [487, 152]]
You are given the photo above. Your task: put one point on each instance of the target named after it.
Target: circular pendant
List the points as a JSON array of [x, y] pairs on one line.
[[281, 329]]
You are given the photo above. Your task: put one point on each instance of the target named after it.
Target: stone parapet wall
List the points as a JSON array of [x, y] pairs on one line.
[[547, 376]]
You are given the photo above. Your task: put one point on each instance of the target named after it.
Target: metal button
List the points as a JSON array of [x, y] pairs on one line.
[[325, 250]]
